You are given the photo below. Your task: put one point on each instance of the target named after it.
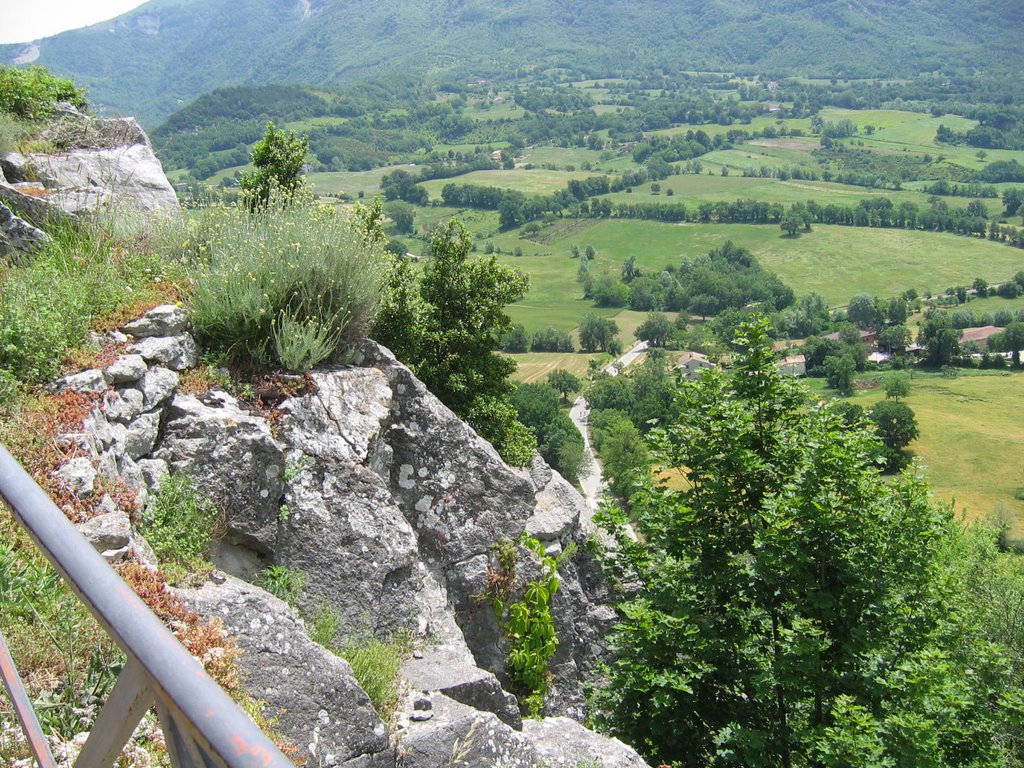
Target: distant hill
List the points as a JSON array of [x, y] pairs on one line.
[[165, 53]]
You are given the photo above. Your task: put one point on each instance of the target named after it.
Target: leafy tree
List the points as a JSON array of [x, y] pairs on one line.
[[785, 607], [1012, 340], [839, 370], [657, 329], [402, 185], [897, 427], [447, 328], [515, 340], [564, 382], [790, 224], [897, 385], [596, 333], [552, 340], [609, 291], [558, 441], [895, 338], [585, 279], [630, 270], [896, 313], [277, 162], [625, 459], [940, 338], [403, 214], [863, 311]]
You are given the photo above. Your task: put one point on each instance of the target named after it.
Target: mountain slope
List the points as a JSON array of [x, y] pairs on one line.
[[166, 52]]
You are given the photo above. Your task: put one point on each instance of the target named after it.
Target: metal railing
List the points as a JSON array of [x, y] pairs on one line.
[[203, 727]]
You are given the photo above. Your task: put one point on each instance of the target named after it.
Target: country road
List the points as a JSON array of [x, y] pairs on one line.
[[590, 476]]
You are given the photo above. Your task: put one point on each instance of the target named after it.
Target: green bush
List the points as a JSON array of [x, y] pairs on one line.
[[287, 286], [48, 303], [179, 525], [30, 93], [277, 161]]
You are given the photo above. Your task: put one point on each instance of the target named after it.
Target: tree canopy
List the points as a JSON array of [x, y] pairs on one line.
[[788, 609], [277, 162]]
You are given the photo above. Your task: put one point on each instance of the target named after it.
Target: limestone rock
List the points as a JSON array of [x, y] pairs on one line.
[[103, 434], [233, 459], [126, 369], [13, 167], [86, 381], [78, 476], [110, 531], [343, 418], [123, 405], [141, 436], [355, 547], [440, 669], [310, 691], [153, 471], [120, 173], [34, 209], [165, 320], [456, 734], [560, 741], [176, 352], [558, 511], [157, 385], [17, 235]]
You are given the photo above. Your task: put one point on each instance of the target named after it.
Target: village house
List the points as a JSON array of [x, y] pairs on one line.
[[792, 365], [692, 363]]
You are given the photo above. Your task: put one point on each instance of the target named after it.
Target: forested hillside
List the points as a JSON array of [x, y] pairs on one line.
[[153, 60]]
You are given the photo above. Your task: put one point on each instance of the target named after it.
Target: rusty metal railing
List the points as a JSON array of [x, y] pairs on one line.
[[203, 727]]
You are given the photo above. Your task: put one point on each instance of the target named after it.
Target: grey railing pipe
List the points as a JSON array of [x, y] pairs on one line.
[[207, 727]]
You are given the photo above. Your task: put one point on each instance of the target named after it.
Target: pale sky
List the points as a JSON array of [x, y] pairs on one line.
[[25, 20]]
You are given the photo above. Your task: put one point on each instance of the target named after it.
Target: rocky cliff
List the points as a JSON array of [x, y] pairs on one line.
[[391, 506], [90, 167]]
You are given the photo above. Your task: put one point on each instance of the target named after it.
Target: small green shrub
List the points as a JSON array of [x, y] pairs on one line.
[[375, 665], [286, 286], [49, 302], [528, 623], [13, 132], [179, 525], [282, 582], [31, 92]]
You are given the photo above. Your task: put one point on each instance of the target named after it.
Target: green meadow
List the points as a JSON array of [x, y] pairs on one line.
[[536, 181], [834, 261], [971, 439]]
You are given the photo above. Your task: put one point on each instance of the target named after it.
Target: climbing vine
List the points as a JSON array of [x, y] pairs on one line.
[[527, 622]]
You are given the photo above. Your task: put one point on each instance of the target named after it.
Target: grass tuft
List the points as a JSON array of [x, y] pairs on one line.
[[375, 664], [179, 525]]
